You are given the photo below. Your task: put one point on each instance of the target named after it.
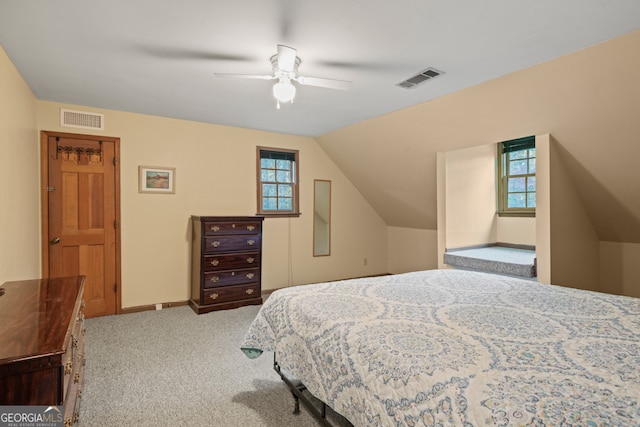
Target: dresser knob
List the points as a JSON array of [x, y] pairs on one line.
[[250, 227], [250, 275], [215, 243], [250, 260], [214, 279], [215, 228], [249, 291], [215, 262], [213, 296], [251, 242]]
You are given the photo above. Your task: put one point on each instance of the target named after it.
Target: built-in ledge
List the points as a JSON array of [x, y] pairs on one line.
[[500, 258]]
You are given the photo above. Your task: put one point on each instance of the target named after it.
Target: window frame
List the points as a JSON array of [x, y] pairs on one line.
[[503, 176], [295, 210]]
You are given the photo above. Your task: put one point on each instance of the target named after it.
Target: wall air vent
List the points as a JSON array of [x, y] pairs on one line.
[[81, 119], [420, 78]]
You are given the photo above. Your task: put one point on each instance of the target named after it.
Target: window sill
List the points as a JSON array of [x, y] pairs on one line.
[[529, 214], [279, 215]]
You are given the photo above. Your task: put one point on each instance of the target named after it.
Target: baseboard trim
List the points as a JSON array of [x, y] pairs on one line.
[[151, 307], [489, 245]]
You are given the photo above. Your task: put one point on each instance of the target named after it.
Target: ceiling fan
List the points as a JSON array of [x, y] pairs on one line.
[[285, 65]]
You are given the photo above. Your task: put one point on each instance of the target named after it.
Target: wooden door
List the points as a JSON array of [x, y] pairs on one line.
[[80, 215]]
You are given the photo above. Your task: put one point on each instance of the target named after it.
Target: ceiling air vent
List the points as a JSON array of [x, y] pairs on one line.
[[81, 119], [420, 78]]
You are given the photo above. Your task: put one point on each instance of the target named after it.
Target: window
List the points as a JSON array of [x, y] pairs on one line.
[[517, 177], [277, 182]]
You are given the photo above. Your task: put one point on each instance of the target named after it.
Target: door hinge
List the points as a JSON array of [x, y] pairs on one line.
[[51, 189]]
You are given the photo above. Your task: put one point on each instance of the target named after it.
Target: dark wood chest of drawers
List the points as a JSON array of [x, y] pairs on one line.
[[226, 259], [42, 343]]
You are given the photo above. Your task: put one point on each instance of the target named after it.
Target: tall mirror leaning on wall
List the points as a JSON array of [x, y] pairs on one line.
[[322, 217]]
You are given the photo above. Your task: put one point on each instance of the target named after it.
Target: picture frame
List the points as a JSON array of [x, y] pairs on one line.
[[156, 179]]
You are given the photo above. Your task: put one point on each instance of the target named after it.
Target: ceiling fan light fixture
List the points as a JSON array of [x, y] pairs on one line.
[[284, 91]]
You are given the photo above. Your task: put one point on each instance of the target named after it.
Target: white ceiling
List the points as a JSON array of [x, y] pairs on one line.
[[158, 57]]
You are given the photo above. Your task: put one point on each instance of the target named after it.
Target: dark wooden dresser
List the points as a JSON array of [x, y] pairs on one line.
[[226, 259], [42, 343]]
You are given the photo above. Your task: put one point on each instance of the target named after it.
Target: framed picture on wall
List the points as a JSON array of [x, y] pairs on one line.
[[156, 179]]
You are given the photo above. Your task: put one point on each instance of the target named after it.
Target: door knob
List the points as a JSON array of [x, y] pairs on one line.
[[55, 241]]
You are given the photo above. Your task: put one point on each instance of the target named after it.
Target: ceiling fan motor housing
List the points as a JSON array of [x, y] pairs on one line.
[[280, 73]]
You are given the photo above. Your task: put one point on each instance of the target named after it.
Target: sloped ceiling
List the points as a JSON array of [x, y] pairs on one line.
[[588, 100], [159, 57]]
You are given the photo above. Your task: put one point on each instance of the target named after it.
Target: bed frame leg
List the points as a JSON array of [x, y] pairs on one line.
[[296, 408], [296, 391]]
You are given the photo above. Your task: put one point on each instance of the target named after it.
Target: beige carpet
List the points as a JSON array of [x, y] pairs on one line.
[[175, 368]]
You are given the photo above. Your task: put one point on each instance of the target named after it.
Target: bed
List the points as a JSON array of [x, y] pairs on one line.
[[452, 347]]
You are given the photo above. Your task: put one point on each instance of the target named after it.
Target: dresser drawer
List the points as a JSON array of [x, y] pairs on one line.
[[73, 357], [215, 244], [225, 278], [221, 228], [231, 293], [231, 261]]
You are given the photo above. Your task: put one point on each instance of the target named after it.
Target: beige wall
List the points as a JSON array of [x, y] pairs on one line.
[[517, 230], [470, 196], [619, 268], [470, 202], [215, 175], [568, 251], [20, 177], [412, 250]]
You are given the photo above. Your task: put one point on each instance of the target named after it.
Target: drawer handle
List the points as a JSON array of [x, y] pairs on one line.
[[215, 228], [76, 378], [215, 262], [251, 242], [249, 291], [213, 296], [250, 227], [215, 243], [214, 279], [68, 367], [250, 260], [233, 226], [250, 275]]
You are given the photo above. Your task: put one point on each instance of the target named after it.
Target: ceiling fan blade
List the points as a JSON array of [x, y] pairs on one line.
[[286, 58], [245, 76], [326, 83], [187, 53]]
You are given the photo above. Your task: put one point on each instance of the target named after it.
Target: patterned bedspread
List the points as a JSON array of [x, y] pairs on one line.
[[447, 347]]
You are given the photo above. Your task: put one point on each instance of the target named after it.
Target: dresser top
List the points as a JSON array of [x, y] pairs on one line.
[[227, 218], [35, 316]]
